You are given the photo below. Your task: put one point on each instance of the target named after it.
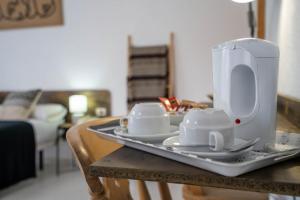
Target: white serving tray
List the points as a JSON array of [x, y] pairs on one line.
[[252, 161]]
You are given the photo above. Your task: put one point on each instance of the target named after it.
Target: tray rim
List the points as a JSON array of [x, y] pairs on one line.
[[152, 148]]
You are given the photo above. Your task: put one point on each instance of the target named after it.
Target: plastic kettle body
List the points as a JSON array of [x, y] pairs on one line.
[[245, 74]]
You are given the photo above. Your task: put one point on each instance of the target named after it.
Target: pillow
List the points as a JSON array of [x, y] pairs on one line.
[[19, 105], [50, 112], [13, 113]]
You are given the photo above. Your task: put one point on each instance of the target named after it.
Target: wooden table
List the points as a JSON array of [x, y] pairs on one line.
[[282, 178]]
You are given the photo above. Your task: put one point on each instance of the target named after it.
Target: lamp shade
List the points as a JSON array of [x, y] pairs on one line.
[[78, 104]]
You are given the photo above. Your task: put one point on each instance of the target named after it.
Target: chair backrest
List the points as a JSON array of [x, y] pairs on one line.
[[87, 148]]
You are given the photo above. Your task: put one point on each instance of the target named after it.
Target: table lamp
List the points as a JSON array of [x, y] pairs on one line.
[[78, 106]]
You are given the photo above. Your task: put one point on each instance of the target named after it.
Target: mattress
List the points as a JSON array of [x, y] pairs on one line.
[[45, 132]]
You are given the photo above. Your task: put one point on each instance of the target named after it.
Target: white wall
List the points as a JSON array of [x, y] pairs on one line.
[[89, 51], [282, 27]]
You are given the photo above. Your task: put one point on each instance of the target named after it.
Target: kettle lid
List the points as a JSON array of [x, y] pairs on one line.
[[257, 47]]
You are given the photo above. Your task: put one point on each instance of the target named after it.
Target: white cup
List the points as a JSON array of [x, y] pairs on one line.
[[147, 119], [207, 127]]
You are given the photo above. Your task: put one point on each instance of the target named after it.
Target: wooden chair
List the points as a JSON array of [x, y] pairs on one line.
[[87, 148]]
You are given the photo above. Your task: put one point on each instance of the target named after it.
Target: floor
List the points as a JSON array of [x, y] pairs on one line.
[[69, 185]]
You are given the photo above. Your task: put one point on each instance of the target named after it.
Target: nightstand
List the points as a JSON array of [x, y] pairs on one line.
[[60, 134]]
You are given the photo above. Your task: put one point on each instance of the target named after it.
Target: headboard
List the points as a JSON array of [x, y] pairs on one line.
[[96, 98]]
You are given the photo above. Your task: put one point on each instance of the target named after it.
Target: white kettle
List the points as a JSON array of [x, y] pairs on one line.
[[245, 73]]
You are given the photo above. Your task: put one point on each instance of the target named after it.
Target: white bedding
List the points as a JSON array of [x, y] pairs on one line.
[[45, 132]]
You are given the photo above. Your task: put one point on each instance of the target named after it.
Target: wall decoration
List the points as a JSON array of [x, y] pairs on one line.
[[30, 13]]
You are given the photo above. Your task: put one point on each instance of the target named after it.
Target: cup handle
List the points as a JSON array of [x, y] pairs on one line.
[[216, 140], [124, 122]]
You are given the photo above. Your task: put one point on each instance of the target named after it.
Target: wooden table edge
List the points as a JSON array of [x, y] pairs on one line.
[[218, 181]]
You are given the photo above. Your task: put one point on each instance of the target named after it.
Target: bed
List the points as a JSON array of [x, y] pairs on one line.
[[17, 149], [44, 131]]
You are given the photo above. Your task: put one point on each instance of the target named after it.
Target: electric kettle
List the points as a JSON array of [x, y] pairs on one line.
[[245, 74]]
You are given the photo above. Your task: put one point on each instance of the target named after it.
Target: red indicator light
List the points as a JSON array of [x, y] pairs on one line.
[[237, 121]]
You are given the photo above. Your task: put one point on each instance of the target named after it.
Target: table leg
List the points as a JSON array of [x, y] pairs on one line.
[[57, 155], [41, 160], [73, 161]]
